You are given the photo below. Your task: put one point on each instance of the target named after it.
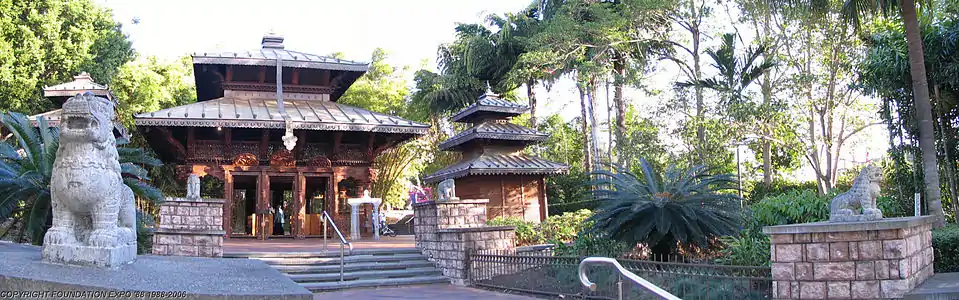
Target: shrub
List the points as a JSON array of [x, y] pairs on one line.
[[592, 245], [748, 249], [790, 208], [945, 241], [564, 228], [757, 191], [526, 232]]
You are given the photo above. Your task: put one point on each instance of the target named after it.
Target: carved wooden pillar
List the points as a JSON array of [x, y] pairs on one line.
[[262, 77], [263, 204], [229, 73], [298, 150], [228, 144], [264, 145], [191, 142], [296, 76], [299, 194], [337, 138], [228, 203]]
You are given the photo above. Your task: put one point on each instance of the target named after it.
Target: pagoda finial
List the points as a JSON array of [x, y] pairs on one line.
[[489, 90]]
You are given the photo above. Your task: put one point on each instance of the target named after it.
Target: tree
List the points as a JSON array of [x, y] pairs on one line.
[[150, 84], [46, 42], [382, 89], [689, 15], [856, 12], [26, 163], [685, 206]]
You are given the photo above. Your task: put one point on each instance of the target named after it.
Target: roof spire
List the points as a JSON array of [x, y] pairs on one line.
[[489, 92], [272, 41]]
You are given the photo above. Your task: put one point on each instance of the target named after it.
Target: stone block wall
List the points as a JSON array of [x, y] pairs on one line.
[[862, 260], [190, 228], [446, 231]]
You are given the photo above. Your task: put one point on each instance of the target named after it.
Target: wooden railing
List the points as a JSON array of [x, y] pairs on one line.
[[217, 151]]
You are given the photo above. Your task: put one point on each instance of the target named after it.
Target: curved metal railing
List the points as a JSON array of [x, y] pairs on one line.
[[623, 273], [328, 220]]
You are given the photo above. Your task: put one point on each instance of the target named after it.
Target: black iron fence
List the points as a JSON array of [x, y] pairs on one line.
[[540, 272]]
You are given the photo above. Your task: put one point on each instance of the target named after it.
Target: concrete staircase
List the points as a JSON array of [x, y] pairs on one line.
[[320, 271]]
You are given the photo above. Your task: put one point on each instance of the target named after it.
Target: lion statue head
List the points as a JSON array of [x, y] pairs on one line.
[[87, 118]]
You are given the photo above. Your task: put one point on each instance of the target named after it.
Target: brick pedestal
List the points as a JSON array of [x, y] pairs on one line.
[[190, 228], [858, 260], [446, 231]]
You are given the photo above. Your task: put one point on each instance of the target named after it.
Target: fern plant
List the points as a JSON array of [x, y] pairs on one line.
[[686, 206]]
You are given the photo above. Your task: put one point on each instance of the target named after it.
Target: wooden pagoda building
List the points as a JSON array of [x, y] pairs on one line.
[[59, 94], [494, 166], [235, 131]]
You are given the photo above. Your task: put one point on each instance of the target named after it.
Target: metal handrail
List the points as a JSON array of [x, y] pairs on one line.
[[623, 272], [328, 220]]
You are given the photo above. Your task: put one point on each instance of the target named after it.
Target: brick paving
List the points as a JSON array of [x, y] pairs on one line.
[[433, 291]]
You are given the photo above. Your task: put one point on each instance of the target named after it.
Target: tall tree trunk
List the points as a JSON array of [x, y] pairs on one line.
[[594, 129], [766, 132], [584, 122], [619, 76], [920, 89], [531, 95], [945, 131], [698, 72]]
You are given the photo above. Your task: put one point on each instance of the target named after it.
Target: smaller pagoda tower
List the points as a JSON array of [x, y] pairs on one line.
[[493, 165], [60, 93]]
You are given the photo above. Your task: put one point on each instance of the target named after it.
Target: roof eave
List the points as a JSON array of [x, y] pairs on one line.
[[457, 141], [437, 177], [418, 129], [466, 112], [251, 61]]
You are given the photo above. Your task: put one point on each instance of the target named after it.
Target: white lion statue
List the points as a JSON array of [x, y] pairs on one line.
[[193, 187], [94, 214], [865, 189], [447, 190]]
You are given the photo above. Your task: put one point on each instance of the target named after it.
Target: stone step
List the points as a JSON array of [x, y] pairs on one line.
[[369, 274], [336, 285], [334, 251], [276, 261], [350, 267], [940, 286]]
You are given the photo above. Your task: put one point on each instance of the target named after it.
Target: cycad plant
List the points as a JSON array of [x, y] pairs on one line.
[[682, 205], [26, 163]]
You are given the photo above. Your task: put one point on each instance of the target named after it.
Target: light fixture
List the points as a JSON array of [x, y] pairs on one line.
[[218, 128]]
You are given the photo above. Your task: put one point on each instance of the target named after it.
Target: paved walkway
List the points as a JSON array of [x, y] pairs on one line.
[[433, 291], [234, 245]]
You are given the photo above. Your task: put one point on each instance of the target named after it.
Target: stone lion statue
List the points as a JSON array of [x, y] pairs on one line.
[[193, 187], [447, 190], [94, 214], [865, 188]]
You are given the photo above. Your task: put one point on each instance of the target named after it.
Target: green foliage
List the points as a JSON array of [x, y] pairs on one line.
[[526, 232], [750, 248], [557, 229], [686, 206], [25, 179], [149, 84], [564, 228], [945, 241], [592, 244], [756, 191], [790, 208], [383, 88], [46, 42]]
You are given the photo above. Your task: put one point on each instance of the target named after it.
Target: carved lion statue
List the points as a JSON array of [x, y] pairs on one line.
[[447, 190], [193, 187], [91, 204], [865, 188]]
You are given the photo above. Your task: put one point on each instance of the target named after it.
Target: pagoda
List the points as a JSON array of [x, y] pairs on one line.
[[493, 165], [82, 83], [267, 124]]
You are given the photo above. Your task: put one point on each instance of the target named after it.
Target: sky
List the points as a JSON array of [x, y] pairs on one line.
[[410, 30]]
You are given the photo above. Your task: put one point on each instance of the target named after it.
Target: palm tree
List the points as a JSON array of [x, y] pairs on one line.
[[26, 163], [855, 12], [683, 206]]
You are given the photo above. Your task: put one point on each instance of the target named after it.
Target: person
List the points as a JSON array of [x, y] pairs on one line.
[[278, 220]]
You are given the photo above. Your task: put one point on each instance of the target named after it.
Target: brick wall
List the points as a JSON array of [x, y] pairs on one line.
[[864, 260], [190, 228], [446, 231]]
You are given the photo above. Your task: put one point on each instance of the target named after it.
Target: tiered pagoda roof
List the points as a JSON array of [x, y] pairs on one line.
[[250, 104], [493, 146]]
